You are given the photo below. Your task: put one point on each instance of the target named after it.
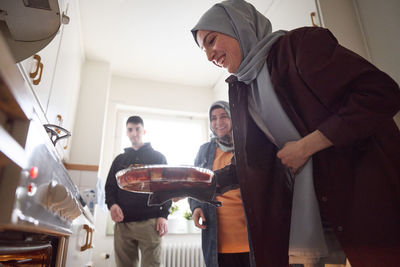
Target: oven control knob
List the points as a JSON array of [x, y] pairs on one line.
[[33, 172], [59, 198], [72, 212], [42, 195]]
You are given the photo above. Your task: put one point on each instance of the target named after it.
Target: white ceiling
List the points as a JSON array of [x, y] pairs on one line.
[[150, 39]]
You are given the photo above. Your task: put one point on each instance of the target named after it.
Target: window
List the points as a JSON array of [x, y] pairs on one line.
[[177, 138]]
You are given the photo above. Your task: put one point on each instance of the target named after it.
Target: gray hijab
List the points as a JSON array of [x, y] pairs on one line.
[[240, 20], [243, 22], [224, 143]]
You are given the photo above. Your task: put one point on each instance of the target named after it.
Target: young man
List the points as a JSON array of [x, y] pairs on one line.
[[137, 226]]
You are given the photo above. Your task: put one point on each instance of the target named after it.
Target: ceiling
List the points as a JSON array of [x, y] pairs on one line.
[[150, 40]]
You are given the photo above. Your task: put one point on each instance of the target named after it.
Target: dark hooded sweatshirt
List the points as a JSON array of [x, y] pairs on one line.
[[134, 205]]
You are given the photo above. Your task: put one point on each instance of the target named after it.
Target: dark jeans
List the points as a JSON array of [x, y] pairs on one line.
[[233, 259]]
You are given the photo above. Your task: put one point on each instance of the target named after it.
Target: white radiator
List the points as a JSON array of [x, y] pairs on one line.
[[182, 255]]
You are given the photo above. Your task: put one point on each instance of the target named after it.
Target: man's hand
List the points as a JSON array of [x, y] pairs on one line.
[[116, 213], [197, 214], [162, 226]]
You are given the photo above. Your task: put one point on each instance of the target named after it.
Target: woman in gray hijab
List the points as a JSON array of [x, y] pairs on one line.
[[224, 232], [314, 135]]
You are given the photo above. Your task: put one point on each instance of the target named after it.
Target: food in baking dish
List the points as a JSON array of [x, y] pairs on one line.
[[165, 182]]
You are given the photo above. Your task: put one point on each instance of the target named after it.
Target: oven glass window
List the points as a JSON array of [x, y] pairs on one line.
[[23, 255]]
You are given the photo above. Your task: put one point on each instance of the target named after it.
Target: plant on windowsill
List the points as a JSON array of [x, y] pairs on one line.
[[191, 228], [187, 215], [173, 219], [173, 209]]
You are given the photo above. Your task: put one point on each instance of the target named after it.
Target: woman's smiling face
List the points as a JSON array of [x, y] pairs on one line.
[[221, 49], [220, 122]]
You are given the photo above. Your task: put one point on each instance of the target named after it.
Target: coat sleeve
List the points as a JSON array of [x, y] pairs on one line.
[[164, 209], [197, 162], [163, 159], [226, 178], [359, 96], [111, 186]]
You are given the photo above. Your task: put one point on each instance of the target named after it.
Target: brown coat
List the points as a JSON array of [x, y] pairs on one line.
[[321, 85]]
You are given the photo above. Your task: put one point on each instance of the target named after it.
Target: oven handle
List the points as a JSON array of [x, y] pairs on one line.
[[91, 238], [23, 249], [89, 232], [55, 132]]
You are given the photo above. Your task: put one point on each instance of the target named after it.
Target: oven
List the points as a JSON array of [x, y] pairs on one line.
[[27, 249], [43, 219]]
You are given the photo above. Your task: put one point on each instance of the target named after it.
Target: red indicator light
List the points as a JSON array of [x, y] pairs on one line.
[[33, 172], [31, 189]]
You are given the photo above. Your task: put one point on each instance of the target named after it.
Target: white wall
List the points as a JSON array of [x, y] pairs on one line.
[[89, 119], [221, 88], [125, 90]]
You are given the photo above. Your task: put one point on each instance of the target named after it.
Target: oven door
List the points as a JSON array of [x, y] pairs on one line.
[[21, 248], [26, 255]]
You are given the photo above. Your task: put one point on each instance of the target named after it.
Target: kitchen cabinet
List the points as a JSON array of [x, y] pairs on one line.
[[38, 70], [66, 81], [289, 14], [57, 81], [339, 16]]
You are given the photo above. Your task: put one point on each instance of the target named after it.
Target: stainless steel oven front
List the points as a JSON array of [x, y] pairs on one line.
[[40, 205]]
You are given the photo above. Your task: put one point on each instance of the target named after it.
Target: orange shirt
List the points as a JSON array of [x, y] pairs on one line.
[[232, 230]]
